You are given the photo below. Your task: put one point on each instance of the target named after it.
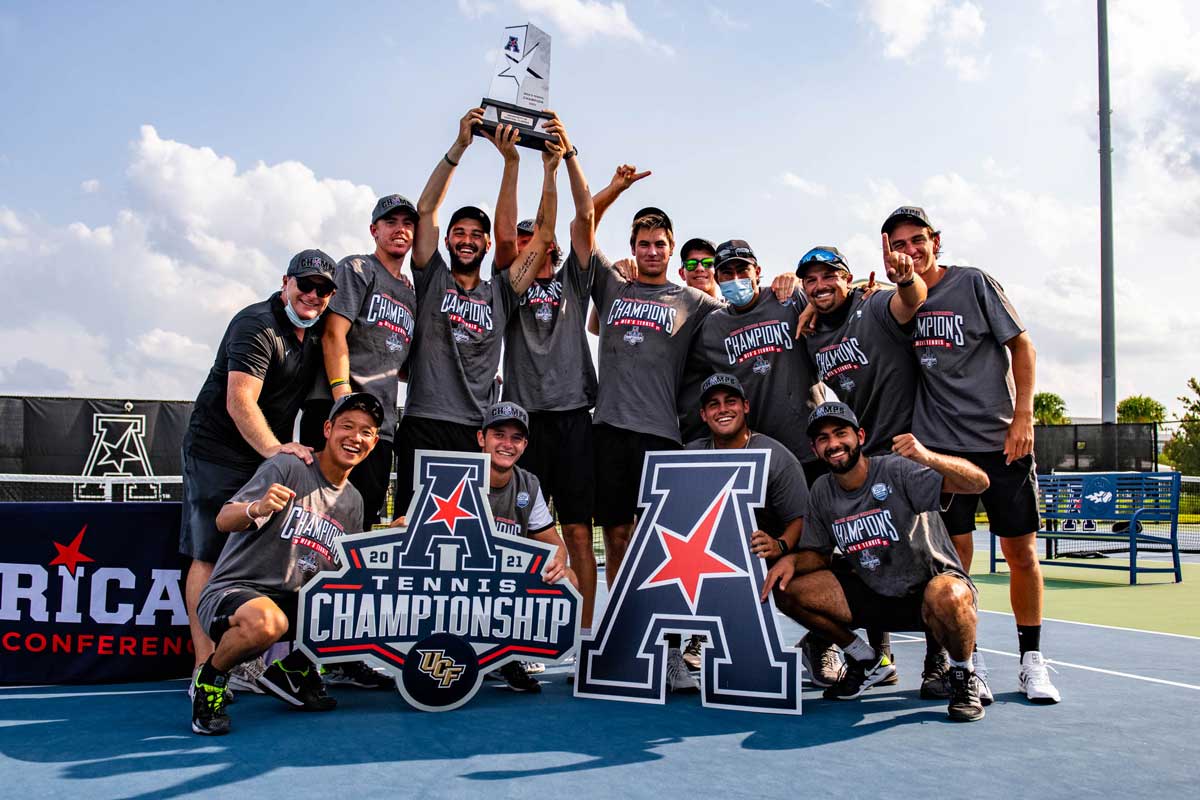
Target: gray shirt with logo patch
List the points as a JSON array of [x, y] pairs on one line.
[[864, 355], [547, 361], [518, 507], [759, 347], [889, 529], [645, 334], [787, 490], [456, 351], [278, 555], [381, 309], [966, 393]]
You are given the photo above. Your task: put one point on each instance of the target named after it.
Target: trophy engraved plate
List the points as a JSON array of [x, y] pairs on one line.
[[520, 88]]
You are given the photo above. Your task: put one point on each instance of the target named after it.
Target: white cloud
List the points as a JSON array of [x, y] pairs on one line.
[[90, 186], [723, 19], [794, 181], [581, 20], [474, 9], [908, 25]]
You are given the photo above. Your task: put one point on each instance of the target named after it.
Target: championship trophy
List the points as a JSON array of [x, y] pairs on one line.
[[520, 90]]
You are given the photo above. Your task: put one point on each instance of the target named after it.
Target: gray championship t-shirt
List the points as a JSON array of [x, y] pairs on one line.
[[381, 309], [456, 352], [787, 490], [547, 362], [294, 543], [966, 393], [889, 529], [759, 346], [645, 333], [518, 507], [864, 355]]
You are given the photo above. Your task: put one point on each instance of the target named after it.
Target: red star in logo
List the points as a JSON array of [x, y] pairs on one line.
[[690, 558], [69, 555], [449, 509]]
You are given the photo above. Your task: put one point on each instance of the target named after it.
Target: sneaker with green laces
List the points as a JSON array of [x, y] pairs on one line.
[[208, 702], [297, 681]]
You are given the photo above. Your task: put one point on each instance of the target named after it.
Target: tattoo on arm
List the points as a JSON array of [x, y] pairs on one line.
[[522, 269]]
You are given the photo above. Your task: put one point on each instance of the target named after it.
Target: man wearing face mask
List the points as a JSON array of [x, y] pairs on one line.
[[265, 365]]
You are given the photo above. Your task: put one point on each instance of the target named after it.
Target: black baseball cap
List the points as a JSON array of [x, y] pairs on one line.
[[526, 227], [475, 213], [499, 413], [734, 250], [721, 380], [826, 412], [906, 214], [311, 262], [697, 244], [392, 203], [648, 210], [825, 255], [364, 401]]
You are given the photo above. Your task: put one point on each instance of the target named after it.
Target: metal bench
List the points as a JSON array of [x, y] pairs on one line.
[[1133, 500]]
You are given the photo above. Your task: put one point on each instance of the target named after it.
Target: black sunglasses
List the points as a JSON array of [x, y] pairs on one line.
[[321, 287]]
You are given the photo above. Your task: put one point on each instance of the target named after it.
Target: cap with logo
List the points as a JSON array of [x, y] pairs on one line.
[[499, 413], [475, 213], [734, 250], [721, 380], [525, 227], [913, 214], [825, 255], [831, 412], [311, 262], [697, 244], [392, 203], [361, 400], [655, 211]]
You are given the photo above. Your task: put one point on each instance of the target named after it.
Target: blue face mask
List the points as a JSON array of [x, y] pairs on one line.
[[294, 318], [738, 292]]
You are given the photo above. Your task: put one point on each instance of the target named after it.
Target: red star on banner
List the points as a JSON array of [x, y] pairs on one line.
[[69, 555], [449, 509], [690, 558]]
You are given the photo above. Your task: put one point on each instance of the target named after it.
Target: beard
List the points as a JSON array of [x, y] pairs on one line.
[[851, 460], [461, 267]]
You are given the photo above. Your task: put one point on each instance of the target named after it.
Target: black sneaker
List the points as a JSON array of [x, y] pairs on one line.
[[822, 661], [934, 684], [297, 686], [858, 676], [356, 673], [517, 679], [965, 705], [894, 678], [208, 703]]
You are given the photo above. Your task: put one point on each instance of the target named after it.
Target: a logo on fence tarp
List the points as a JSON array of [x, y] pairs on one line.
[[1099, 495], [118, 448], [689, 570], [442, 602]]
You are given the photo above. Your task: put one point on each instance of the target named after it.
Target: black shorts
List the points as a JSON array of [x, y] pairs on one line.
[[206, 487], [216, 608], [1011, 501], [423, 433], [371, 477], [559, 453], [874, 611], [619, 457]]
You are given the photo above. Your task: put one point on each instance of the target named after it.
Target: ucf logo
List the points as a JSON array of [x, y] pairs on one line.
[[440, 667]]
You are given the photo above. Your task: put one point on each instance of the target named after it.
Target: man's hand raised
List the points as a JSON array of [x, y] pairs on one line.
[[466, 127], [899, 266]]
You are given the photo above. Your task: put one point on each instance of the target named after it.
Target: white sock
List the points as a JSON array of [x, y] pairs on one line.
[[585, 633], [960, 664], [859, 650]]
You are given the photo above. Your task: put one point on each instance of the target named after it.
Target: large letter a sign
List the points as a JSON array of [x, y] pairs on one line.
[[689, 570]]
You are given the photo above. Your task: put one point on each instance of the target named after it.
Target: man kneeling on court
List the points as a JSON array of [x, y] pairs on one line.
[[282, 526], [900, 571]]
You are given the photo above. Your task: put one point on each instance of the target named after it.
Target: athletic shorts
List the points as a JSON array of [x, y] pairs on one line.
[[619, 457], [423, 433], [1011, 501], [215, 608], [559, 453], [874, 611], [206, 487]]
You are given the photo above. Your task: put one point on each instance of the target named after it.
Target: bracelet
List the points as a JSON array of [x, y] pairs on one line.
[[448, 160], [906, 284], [574, 151], [783, 548], [337, 382], [249, 516]]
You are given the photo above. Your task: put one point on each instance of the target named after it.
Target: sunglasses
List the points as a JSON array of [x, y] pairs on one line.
[[322, 288], [692, 264], [819, 255]]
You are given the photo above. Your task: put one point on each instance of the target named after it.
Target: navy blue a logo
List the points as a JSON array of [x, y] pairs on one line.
[[689, 569], [512, 45], [442, 602]]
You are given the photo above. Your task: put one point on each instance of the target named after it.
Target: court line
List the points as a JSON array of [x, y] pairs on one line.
[[1098, 625], [52, 695]]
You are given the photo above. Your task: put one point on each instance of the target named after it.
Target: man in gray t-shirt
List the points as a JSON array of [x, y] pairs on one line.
[[283, 526], [975, 400], [900, 572]]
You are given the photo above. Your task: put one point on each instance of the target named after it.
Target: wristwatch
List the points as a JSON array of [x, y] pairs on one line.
[[574, 151]]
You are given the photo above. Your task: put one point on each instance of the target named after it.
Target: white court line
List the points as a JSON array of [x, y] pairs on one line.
[[1098, 625], [53, 695]]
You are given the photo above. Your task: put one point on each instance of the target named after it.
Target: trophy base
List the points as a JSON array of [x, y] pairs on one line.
[[526, 120]]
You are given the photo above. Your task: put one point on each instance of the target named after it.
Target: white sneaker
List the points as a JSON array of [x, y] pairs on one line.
[[1034, 679], [679, 679], [534, 667], [981, 678], [244, 677]]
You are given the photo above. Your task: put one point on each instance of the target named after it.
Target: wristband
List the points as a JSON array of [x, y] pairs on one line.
[[337, 382], [249, 516], [449, 161], [574, 151], [783, 548], [906, 284]]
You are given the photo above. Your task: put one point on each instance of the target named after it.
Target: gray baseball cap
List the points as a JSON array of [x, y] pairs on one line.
[[721, 380], [311, 262], [363, 400], [499, 413], [525, 227], [831, 412], [914, 214], [392, 203]]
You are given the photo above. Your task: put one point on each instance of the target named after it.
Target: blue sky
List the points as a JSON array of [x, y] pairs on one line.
[[162, 161]]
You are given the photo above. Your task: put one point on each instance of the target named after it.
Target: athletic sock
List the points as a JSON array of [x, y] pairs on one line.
[[585, 633], [1029, 637], [209, 673], [960, 664], [932, 645], [859, 650], [880, 641]]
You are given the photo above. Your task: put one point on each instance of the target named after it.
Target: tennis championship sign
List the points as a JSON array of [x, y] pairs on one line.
[[444, 601]]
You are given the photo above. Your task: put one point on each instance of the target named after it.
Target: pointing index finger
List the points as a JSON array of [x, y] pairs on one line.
[[887, 244]]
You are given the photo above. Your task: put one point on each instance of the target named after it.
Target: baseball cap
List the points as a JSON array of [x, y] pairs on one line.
[[499, 413], [648, 210], [393, 202], [525, 227], [475, 213], [697, 244], [825, 255], [721, 380], [734, 250], [364, 401], [839, 412], [905, 214], [311, 262]]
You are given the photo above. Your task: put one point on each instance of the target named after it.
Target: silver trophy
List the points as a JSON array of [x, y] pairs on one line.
[[520, 89]]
